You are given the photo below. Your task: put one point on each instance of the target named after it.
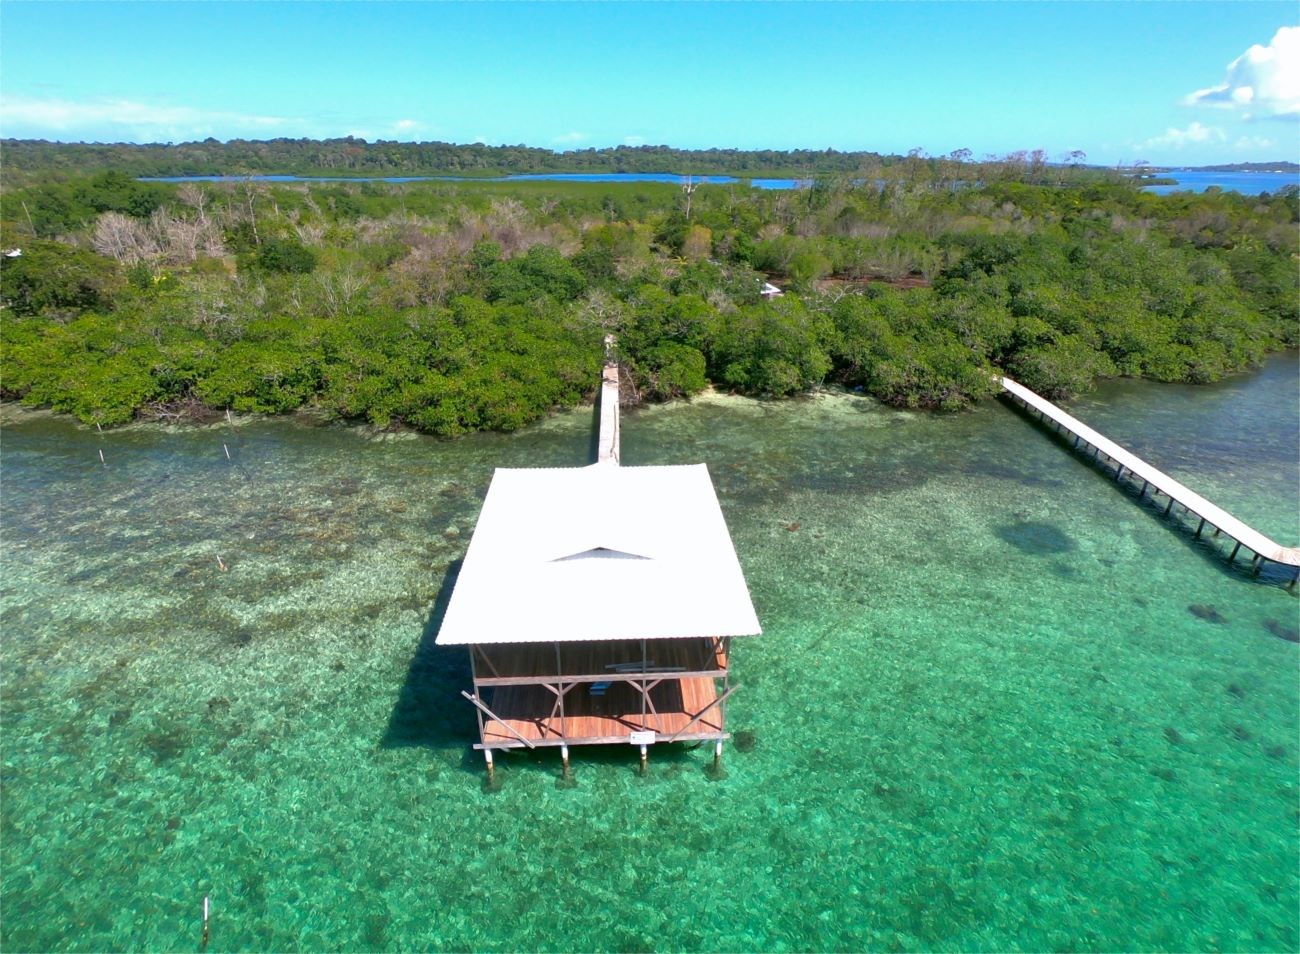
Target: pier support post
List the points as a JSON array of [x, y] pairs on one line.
[[1199, 528], [1233, 556], [1145, 485], [487, 754], [644, 758], [717, 753], [1170, 506], [1119, 471], [564, 758]]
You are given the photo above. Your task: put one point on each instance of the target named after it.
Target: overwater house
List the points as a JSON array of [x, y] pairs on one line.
[[598, 605]]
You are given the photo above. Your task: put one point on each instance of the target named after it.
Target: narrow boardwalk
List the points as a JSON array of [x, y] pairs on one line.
[[1157, 482], [607, 450]]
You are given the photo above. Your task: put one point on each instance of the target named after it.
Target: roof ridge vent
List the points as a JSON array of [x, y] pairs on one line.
[[600, 553]]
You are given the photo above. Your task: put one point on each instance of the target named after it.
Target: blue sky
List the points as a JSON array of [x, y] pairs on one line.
[[1167, 82]]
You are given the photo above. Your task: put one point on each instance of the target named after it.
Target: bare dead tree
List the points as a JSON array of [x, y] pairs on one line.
[[126, 239], [688, 190], [196, 197], [250, 203]]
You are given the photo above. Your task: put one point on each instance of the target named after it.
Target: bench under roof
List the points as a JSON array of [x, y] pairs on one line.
[[599, 553]]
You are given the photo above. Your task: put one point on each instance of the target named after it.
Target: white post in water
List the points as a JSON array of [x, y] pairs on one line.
[[607, 452]]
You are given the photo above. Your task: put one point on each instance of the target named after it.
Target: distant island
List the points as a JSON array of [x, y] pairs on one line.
[[1280, 166], [349, 156]]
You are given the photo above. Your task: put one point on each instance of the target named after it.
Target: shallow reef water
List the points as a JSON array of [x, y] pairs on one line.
[[999, 702]]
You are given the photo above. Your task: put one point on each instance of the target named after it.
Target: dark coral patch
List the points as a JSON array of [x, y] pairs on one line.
[[1290, 633], [1207, 613], [1038, 539]]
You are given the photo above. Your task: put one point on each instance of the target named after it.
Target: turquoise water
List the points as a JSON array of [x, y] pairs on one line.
[[983, 713]]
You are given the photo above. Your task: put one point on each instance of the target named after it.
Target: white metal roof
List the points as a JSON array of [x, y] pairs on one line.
[[599, 552]]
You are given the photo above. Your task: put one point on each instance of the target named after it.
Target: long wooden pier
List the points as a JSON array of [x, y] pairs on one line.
[[607, 449], [1156, 482]]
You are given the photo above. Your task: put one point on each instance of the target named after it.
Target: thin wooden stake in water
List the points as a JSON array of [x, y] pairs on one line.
[[98, 428], [220, 564], [228, 420], [101, 458], [227, 450], [203, 945]]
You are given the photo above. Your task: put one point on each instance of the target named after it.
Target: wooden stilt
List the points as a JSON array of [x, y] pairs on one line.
[[1076, 440], [1119, 471], [207, 927], [644, 758], [564, 758], [1199, 528], [717, 753], [1170, 506], [1233, 555], [487, 754]]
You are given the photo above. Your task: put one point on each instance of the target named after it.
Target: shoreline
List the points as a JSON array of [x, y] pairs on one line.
[[14, 411]]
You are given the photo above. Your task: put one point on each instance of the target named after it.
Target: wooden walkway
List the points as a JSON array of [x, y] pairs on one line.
[[607, 450], [1126, 462]]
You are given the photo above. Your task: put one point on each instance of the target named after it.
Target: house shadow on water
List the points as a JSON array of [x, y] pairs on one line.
[[429, 711]]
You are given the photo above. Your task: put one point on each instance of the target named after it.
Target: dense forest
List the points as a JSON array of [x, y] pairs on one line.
[[37, 160], [451, 307]]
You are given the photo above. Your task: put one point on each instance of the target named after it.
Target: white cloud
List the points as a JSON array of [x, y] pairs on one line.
[[130, 120], [1250, 143], [406, 125], [1263, 81], [569, 138], [1194, 135]]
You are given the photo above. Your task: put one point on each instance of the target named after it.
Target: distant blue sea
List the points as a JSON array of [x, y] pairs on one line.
[[1249, 183]]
